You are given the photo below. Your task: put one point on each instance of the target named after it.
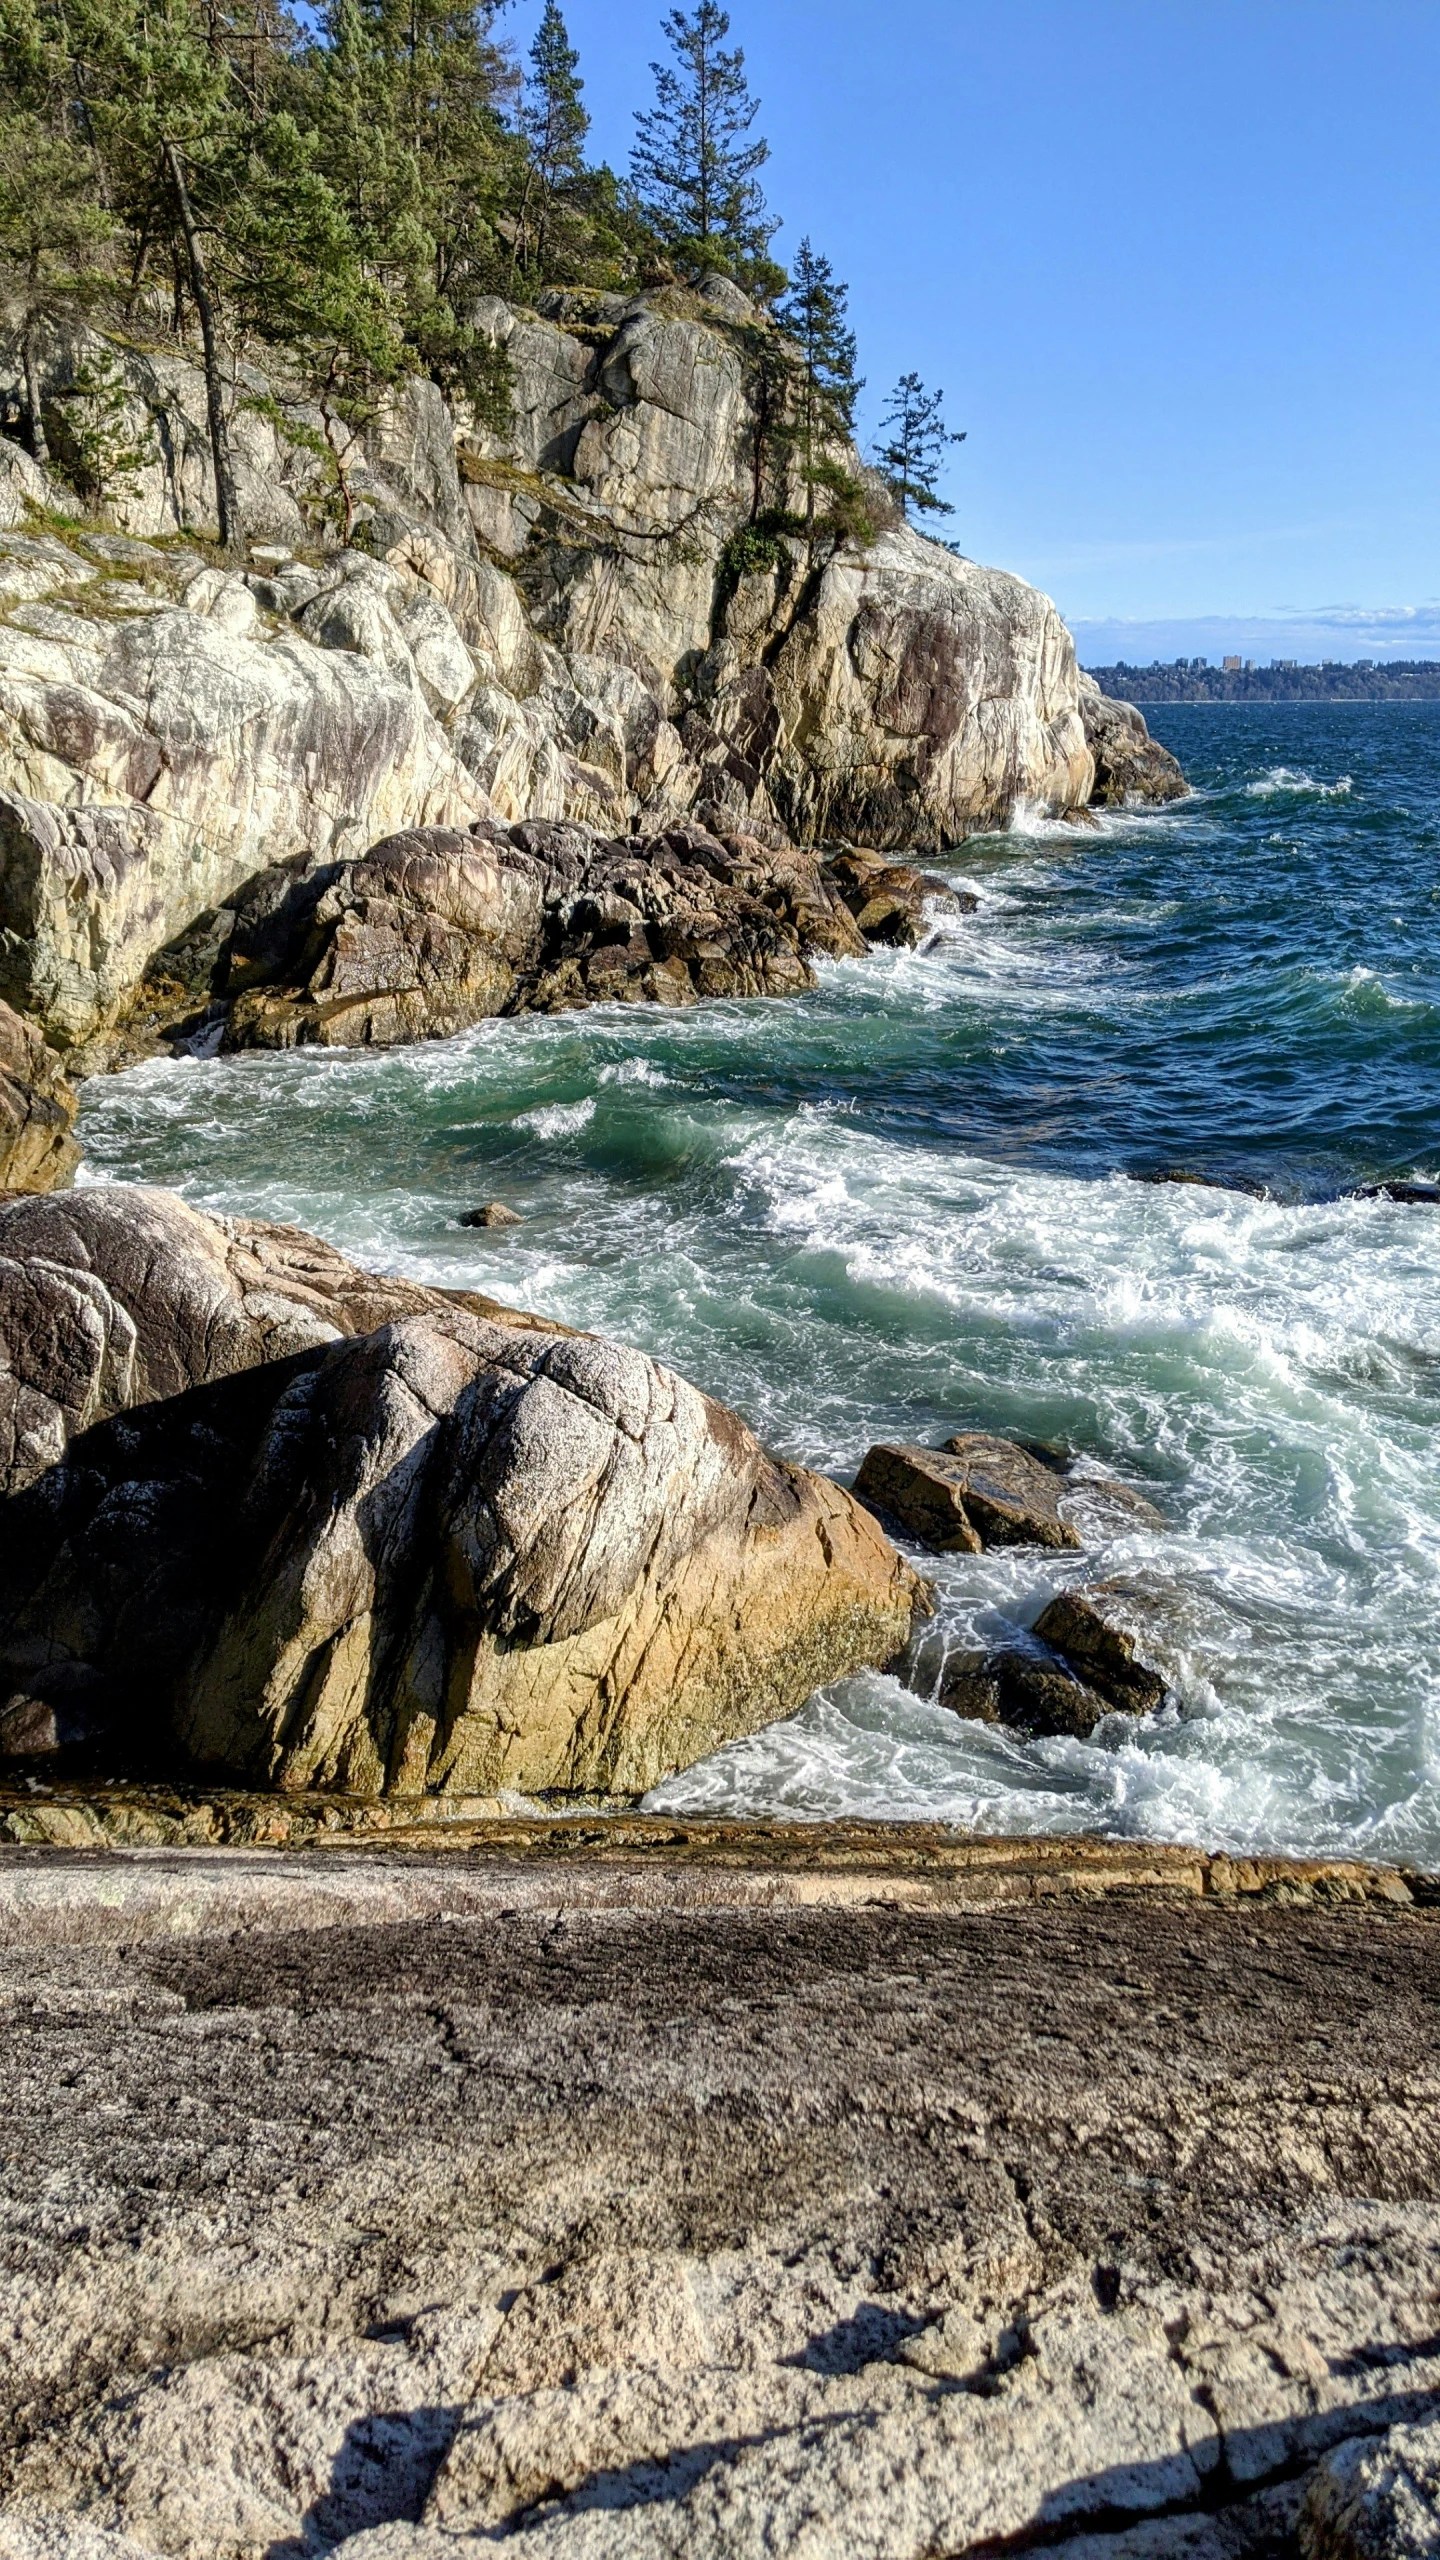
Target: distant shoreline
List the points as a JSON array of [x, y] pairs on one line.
[[1194, 680]]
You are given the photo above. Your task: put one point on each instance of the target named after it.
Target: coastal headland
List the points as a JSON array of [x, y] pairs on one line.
[[392, 2166]]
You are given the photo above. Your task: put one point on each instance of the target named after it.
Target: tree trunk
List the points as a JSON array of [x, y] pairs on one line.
[[34, 421], [227, 503]]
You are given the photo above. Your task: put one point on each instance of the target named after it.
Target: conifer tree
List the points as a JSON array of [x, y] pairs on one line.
[[53, 232], [554, 124], [694, 168], [814, 316], [915, 425]]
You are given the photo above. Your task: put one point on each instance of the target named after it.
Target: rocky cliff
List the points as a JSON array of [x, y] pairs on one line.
[[573, 619]]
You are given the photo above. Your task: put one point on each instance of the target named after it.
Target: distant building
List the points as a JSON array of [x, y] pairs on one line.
[[1229, 666]]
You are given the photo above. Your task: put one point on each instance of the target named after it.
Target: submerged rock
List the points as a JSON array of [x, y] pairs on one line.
[[37, 1111], [451, 1554], [981, 1491]]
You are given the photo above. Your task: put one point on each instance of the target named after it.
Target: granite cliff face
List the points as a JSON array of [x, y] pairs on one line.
[[557, 622]]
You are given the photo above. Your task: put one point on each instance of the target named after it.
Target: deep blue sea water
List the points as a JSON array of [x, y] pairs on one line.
[[905, 1205]]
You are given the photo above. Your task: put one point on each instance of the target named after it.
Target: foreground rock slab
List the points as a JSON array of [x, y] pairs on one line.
[[838, 2227]]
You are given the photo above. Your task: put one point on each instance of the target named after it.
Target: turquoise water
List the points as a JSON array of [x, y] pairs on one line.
[[904, 1206]]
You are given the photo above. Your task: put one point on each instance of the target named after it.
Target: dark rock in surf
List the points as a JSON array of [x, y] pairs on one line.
[[1418, 1195], [493, 1214], [1183, 1176], [1029, 1692], [1092, 1629]]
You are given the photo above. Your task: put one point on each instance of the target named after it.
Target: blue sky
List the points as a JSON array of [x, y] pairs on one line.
[[1174, 264]]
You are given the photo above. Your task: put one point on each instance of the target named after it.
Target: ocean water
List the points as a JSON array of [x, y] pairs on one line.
[[907, 1205]]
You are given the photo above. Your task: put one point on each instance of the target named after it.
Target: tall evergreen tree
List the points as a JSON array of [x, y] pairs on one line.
[[53, 233], [814, 316], [555, 124], [694, 167], [911, 459]]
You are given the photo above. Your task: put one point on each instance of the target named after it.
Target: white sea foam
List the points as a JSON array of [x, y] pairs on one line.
[[1292, 782], [558, 1119], [634, 1071]]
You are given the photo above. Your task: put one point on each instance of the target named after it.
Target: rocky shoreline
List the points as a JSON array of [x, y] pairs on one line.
[[391, 2165]]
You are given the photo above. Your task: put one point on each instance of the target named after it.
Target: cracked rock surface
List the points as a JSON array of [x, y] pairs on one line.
[[859, 2232], [122, 1295]]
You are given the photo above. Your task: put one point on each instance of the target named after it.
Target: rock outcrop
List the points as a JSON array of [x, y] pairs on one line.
[[438, 928], [1130, 765], [572, 620], [37, 1111], [453, 1552]]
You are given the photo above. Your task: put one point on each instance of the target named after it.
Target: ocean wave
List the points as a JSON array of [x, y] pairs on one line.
[[557, 1119], [1292, 782]]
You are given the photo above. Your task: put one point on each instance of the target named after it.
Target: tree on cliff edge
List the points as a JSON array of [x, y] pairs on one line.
[[554, 122], [694, 167], [914, 425], [813, 314]]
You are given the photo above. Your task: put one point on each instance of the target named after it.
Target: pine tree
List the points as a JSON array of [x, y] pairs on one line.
[[554, 124], [694, 169], [814, 316], [52, 237], [918, 435], [300, 284]]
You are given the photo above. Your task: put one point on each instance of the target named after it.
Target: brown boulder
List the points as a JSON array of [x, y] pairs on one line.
[[1030, 1692], [923, 1492], [451, 1555], [37, 1110], [982, 1491], [1093, 1629]]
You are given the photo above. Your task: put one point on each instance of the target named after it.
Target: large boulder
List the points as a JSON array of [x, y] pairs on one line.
[[116, 1297], [449, 1555], [37, 1111]]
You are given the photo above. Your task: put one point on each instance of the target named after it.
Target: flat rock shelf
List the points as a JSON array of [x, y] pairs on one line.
[[650, 2187]]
